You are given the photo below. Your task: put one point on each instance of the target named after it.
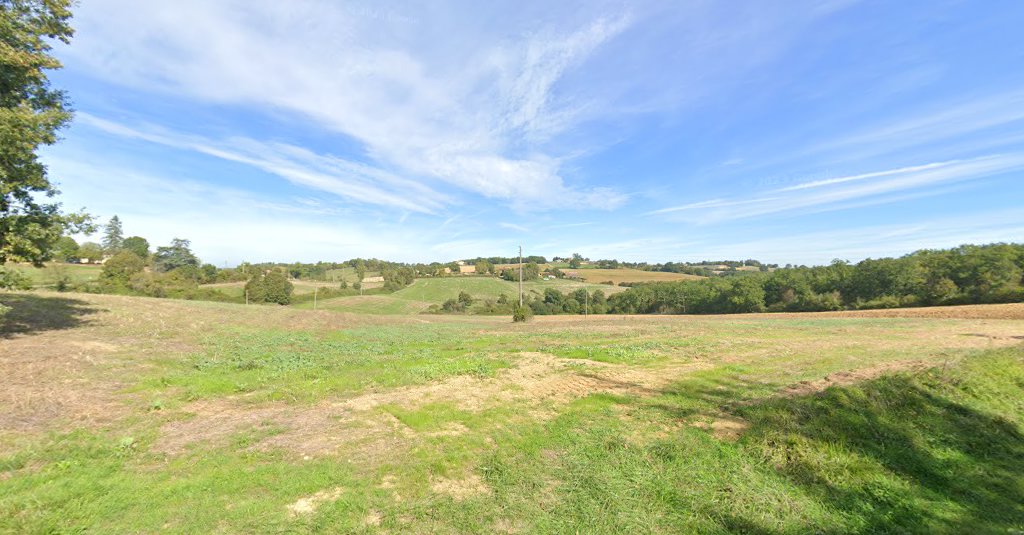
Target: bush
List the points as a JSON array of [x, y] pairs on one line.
[[453, 305], [122, 267], [12, 279], [271, 287], [521, 313], [885, 301]]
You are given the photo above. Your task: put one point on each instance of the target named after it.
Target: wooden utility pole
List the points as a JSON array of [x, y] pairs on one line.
[[520, 276], [315, 288]]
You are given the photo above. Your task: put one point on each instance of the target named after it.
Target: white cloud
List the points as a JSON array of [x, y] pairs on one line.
[[513, 226], [836, 193], [352, 180], [470, 117], [875, 241]]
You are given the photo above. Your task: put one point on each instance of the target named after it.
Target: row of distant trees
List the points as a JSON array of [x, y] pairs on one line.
[[967, 274], [173, 270]]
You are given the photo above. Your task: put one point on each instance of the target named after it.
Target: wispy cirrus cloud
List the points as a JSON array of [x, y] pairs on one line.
[[344, 178], [514, 226], [470, 117], [836, 193]]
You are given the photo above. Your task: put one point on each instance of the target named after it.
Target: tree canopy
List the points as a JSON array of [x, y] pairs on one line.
[[137, 245], [31, 113], [176, 255]]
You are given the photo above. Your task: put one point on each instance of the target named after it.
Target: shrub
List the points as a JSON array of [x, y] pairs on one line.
[[271, 287], [122, 267], [453, 305], [521, 313], [13, 279]]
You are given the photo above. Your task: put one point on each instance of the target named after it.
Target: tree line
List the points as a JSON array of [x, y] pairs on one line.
[[969, 274]]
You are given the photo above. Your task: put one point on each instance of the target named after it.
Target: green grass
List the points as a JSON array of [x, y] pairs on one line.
[[369, 304], [237, 289], [938, 450], [437, 290], [302, 366], [45, 276]]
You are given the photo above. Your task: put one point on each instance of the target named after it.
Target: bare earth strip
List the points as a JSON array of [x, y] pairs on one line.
[[538, 380]]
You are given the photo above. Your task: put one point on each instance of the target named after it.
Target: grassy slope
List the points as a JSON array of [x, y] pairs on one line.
[[43, 277], [368, 304], [631, 275], [440, 289], [937, 451]]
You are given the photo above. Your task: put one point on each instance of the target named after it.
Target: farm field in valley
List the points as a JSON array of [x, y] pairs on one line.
[[631, 275], [439, 289], [120, 413]]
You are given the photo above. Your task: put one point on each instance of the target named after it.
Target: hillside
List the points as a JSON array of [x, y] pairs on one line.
[[45, 276], [121, 412], [439, 289], [631, 275]]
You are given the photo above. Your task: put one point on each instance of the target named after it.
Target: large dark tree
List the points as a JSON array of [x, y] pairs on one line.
[[176, 255], [113, 236], [31, 113]]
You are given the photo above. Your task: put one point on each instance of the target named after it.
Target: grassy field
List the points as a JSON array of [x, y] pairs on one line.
[[439, 289], [631, 275], [422, 293], [299, 287], [45, 276], [368, 304], [124, 414]]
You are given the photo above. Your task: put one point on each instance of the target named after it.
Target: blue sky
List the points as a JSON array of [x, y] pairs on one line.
[[784, 131]]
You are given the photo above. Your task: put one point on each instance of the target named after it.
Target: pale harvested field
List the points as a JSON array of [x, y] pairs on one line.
[[631, 275]]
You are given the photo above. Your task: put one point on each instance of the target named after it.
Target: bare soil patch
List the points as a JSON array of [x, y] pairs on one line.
[[309, 504], [460, 489], [355, 426], [724, 427]]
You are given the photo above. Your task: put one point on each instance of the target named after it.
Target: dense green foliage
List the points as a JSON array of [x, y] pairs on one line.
[[270, 287], [137, 245], [65, 249], [90, 251], [964, 275], [176, 255], [531, 271], [31, 113], [508, 259], [121, 267]]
